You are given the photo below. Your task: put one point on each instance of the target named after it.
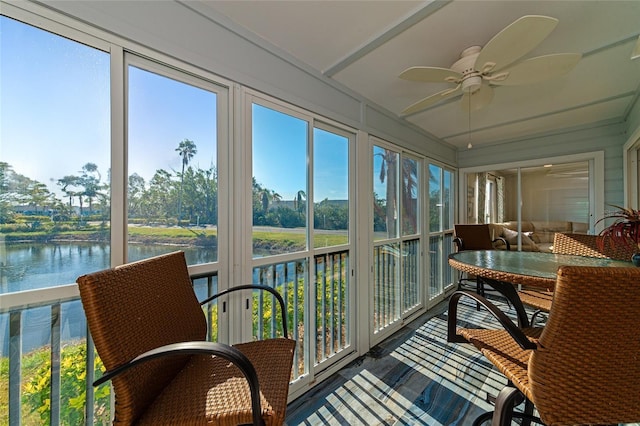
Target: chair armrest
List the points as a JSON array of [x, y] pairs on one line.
[[200, 348], [458, 242], [273, 291], [452, 319], [505, 242]]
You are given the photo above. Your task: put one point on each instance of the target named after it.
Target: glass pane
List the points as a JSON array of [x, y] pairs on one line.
[[410, 274], [558, 192], [279, 182], [204, 288], [410, 191], [385, 193], [289, 278], [436, 260], [435, 198], [555, 198], [386, 285], [448, 201], [447, 249], [330, 189], [54, 170], [332, 304], [173, 182]]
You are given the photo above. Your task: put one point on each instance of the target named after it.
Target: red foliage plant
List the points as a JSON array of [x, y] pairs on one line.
[[625, 229]]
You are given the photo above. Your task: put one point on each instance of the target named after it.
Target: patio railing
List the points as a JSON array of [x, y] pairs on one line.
[[396, 278], [48, 364]]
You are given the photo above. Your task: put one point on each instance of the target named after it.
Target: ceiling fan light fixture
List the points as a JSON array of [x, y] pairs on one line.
[[471, 84], [498, 63]]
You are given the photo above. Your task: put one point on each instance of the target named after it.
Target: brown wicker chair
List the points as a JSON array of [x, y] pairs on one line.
[[576, 244], [582, 367], [150, 331], [474, 237]]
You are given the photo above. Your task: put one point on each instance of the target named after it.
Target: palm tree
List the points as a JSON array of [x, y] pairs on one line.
[[409, 187], [298, 201], [267, 196], [65, 183], [186, 149], [90, 179], [388, 172]]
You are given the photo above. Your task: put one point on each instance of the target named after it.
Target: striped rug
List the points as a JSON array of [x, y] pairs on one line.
[[413, 378]]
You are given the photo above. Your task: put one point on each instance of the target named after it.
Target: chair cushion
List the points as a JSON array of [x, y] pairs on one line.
[[538, 299], [500, 348], [223, 398]]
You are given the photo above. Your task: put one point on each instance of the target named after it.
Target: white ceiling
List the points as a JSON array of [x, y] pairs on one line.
[[364, 45]]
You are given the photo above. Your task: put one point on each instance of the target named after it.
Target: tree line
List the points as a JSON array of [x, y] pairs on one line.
[[186, 197]]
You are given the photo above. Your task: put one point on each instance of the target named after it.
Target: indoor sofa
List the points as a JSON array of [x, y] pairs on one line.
[[536, 235]]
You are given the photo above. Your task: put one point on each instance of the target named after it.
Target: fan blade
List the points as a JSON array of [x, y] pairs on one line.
[[515, 41], [429, 74], [431, 100], [636, 50], [477, 99], [539, 69]]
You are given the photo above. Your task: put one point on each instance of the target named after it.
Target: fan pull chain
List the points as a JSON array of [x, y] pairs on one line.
[[469, 145]]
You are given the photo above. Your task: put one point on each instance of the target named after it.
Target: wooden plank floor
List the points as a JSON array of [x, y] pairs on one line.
[[413, 378]]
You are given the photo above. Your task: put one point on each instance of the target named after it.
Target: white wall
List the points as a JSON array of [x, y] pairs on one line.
[[609, 138], [633, 118]]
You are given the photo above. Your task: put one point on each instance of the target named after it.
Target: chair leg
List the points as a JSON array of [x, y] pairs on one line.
[[528, 413], [534, 316], [479, 286], [506, 401], [479, 290]]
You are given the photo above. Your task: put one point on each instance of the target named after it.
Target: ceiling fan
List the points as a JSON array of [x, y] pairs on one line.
[[495, 64]]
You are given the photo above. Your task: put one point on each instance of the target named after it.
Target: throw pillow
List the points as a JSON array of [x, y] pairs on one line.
[[512, 237], [533, 236]]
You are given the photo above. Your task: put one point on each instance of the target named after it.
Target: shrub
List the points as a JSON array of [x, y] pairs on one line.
[[36, 395]]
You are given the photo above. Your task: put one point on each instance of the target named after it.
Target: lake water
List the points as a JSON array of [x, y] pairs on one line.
[[30, 266]]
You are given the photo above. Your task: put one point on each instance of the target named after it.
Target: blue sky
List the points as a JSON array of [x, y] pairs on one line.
[[55, 115], [54, 93]]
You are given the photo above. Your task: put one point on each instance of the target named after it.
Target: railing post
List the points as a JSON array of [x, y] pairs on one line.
[[90, 363], [15, 370], [54, 414]]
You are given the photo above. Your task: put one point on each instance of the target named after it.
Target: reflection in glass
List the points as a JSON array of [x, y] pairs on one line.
[[448, 200], [435, 198], [386, 285], [385, 193], [410, 274], [410, 192], [554, 198]]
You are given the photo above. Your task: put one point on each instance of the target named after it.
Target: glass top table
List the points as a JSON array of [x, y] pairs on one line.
[[503, 269], [535, 269]]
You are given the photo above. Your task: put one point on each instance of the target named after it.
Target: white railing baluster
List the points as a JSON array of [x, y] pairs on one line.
[[54, 414], [90, 369], [15, 367]]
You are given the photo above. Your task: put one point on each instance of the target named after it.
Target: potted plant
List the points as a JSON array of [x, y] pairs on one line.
[[625, 229]]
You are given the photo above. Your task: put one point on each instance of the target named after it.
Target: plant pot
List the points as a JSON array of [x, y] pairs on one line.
[[635, 258]]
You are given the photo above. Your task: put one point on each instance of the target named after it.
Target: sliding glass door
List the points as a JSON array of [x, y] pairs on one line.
[[397, 237], [531, 202]]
